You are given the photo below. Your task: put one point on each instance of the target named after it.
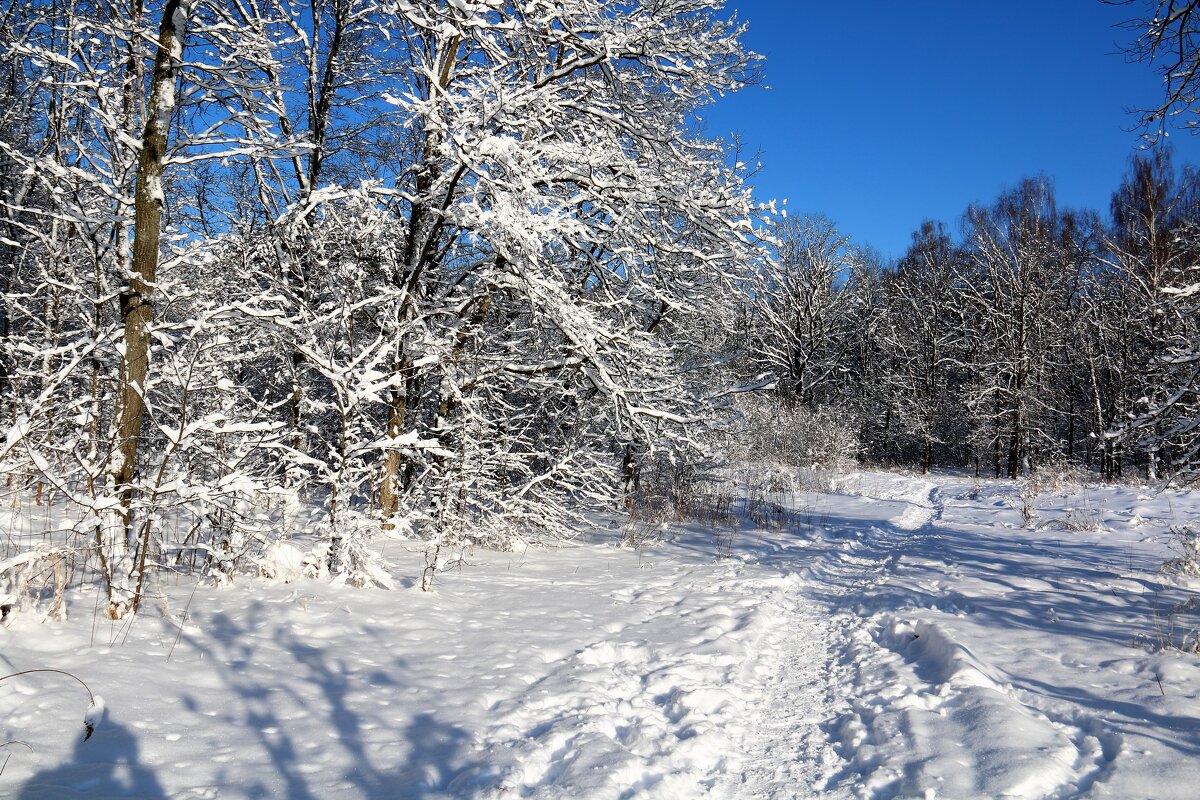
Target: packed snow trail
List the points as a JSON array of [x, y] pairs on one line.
[[900, 637], [969, 639], [788, 753]]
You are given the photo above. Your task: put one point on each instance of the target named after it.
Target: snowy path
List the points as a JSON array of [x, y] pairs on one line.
[[787, 750], [964, 674], [790, 754], [901, 638]]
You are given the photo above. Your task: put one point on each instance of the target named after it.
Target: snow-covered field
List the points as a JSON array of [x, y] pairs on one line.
[[900, 638]]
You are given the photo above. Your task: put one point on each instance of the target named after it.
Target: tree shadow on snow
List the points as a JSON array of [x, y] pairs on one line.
[[106, 765], [1080, 591], [372, 750]]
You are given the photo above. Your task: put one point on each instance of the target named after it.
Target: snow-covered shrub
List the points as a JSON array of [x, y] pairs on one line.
[[1055, 474], [1185, 541], [1029, 515], [665, 489], [282, 562], [352, 562], [26, 577], [679, 488], [773, 432], [1083, 518], [1079, 515]]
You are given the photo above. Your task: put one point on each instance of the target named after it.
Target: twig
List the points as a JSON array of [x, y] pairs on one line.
[[183, 620], [88, 726], [75, 678], [95, 613]]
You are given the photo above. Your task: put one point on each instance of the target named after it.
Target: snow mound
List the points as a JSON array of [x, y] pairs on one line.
[[938, 722], [282, 562]]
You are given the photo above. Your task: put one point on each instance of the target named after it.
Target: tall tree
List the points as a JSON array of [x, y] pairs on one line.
[[924, 330], [137, 309], [1020, 290], [802, 311]]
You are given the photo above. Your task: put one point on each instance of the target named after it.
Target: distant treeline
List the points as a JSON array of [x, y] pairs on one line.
[[1038, 336]]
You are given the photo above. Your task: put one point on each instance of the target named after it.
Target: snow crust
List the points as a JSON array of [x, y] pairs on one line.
[[902, 638]]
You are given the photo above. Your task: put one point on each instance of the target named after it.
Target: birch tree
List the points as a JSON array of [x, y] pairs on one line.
[[924, 332], [1020, 293], [802, 312]]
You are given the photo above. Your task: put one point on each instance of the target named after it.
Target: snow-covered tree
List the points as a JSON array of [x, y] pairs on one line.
[[1166, 36], [556, 210], [436, 266], [1022, 285], [801, 309], [923, 331], [1153, 250]]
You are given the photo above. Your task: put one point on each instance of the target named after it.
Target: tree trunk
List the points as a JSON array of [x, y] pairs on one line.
[[423, 231], [389, 490], [137, 310]]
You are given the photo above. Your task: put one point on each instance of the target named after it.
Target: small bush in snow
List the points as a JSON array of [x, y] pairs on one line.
[[817, 441], [1028, 513], [1185, 541], [281, 562], [1056, 474], [1178, 630], [676, 490], [1083, 519], [25, 578]]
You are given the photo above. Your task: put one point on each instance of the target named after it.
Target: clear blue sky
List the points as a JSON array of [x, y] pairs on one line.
[[881, 113]]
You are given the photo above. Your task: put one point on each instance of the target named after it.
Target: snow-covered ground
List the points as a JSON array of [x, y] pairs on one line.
[[901, 638]]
